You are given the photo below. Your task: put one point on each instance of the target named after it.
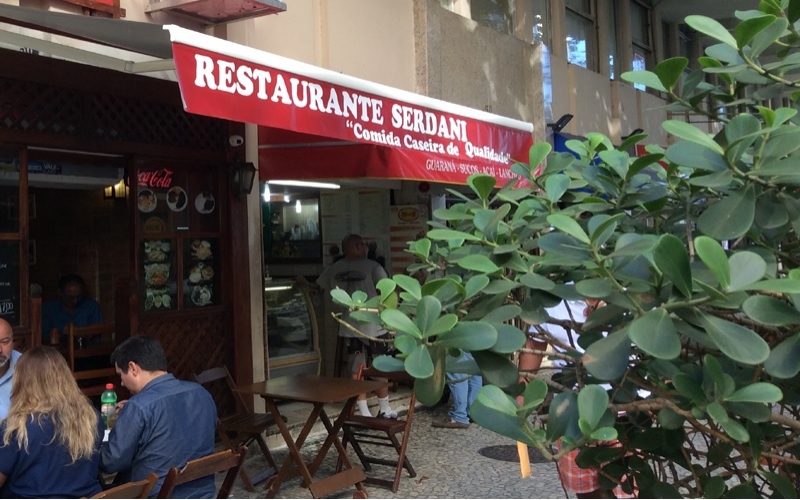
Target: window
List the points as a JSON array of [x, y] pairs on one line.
[[641, 38], [685, 42], [611, 17], [582, 33], [496, 14], [541, 22]]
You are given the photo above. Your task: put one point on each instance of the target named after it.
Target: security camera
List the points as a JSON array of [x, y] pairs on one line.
[[236, 140]]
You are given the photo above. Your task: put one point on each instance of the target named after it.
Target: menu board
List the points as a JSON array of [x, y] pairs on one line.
[[9, 281], [159, 275], [200, 273], [171, 201]]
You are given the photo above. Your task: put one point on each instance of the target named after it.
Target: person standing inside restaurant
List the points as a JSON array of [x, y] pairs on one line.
[[166, 423], [73, 306], [52, 435], [355, 272], [8, 362]]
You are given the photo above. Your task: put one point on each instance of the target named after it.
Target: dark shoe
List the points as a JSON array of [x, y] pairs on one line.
[[449, 423], [392, 414]]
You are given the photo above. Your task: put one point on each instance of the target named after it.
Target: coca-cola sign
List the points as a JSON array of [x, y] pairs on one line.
[[160, 178]]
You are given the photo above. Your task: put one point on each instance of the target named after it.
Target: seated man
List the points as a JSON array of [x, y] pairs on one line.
[[8, 360], [73, 307], [166, 423]]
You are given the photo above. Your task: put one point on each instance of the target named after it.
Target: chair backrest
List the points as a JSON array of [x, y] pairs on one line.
[[134, 489], [226, 460], [103, 330], [220, 376]]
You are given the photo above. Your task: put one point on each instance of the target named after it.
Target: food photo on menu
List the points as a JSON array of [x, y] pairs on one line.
[[157, 268], [200, 274], [146, 200], [177, 199]]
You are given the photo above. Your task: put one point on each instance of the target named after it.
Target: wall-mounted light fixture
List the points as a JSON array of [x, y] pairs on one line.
[[118, 191], [635, 131], [243, 175], [562, 122]]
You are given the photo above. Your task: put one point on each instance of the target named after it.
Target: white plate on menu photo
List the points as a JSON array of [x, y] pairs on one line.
[[205, 202]]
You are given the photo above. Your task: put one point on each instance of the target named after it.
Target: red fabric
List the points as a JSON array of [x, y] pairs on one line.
[[579, 480]]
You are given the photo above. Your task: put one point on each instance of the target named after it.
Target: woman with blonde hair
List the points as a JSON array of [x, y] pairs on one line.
[[52, 435]]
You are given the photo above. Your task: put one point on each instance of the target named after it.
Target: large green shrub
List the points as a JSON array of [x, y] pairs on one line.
[[697, 263]]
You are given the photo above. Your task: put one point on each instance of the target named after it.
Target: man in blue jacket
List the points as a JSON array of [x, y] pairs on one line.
[[166, 423]]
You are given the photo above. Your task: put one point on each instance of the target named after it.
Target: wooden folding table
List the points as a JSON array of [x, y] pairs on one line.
[[318, 391]]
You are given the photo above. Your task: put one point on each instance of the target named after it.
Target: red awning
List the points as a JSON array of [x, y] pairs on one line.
[[316, 123]]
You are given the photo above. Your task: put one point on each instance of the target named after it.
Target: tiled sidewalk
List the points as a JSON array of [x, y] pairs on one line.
[[448, 465]]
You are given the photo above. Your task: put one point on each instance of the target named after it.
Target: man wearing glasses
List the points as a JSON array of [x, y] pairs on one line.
[[8, 359], [73, 307]]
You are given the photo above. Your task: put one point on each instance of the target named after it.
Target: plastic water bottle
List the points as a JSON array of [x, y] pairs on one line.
[[108, 406]]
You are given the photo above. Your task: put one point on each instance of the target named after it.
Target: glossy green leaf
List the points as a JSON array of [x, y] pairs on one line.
[[719, 179], [479, 263], [767, 37], [340, 297], [784, 285], [429, 390], [564, 246], [596, 287], [562, 419], [388, 363], [784, 360], [712, 28], [475, 284], [735, 430], [428, 310], [502, 313], [634, 245], [497, 369], [713, 256], [760, 392], [781, 483], [537, 281], [770, 311], [419, 364], [669, 419], [469, 336], [366, 317], [405, 343], [569, 226], [646, 78], [730, 217], [442, 324], [537, 153], [655, 334], [555, 186], [408, 284], [670, 70], [673, 261], [509, 338], [689, 388], [592, 404], [397, 320], [604, 434], [481, 185], [714, 487], [450, 234], [746, 268], [692, 155], [536, 390], [691, 133], [746, 30], [735, 341], [607, 359], [496, 411]]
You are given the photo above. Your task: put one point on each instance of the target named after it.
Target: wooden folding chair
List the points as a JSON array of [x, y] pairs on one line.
[[361, 430], [90, 362], [227, 460], [243, 426], [134, 489]]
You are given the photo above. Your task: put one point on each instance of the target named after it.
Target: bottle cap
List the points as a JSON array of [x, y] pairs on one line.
[[109, 386]]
